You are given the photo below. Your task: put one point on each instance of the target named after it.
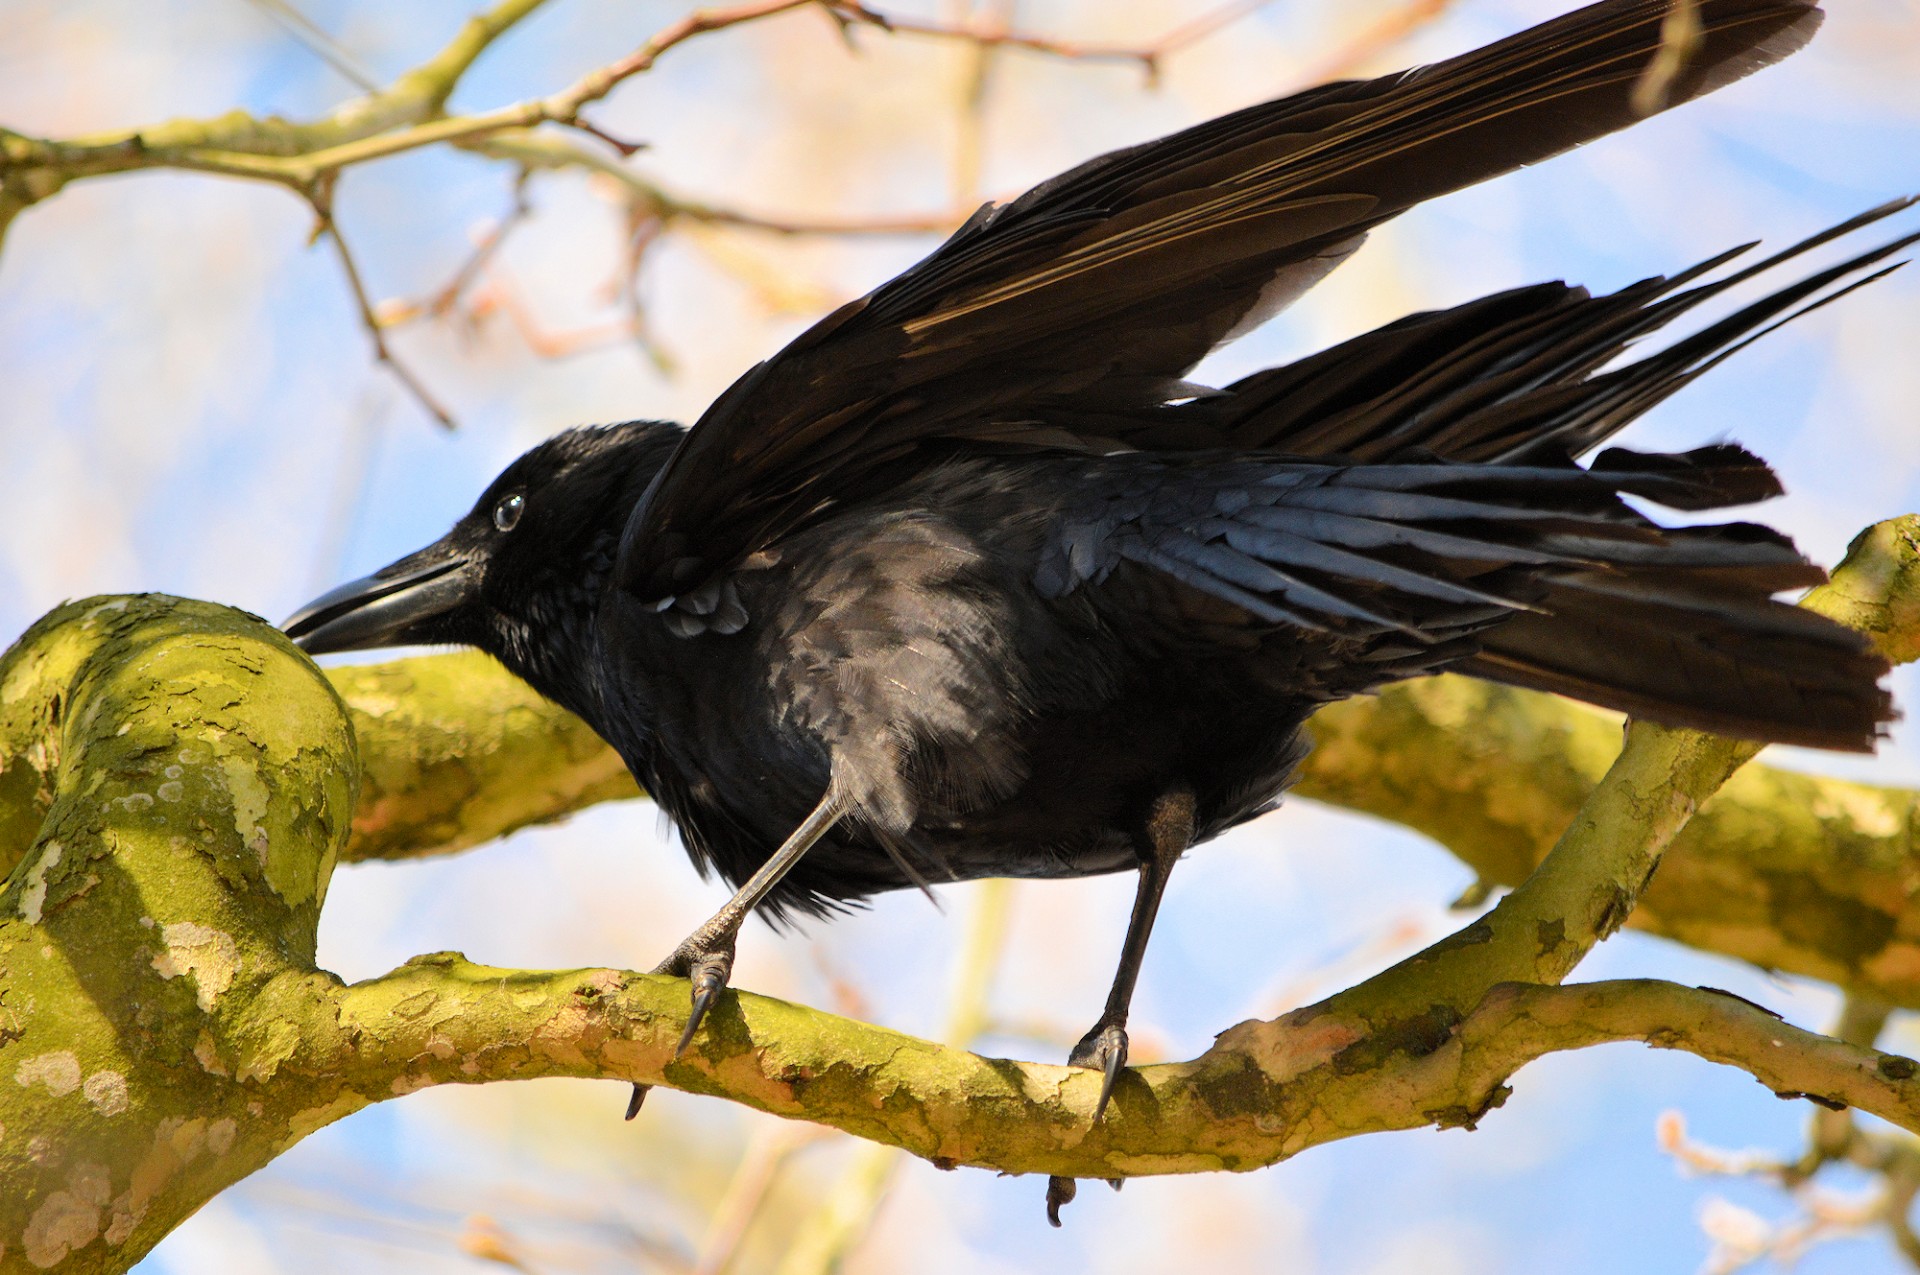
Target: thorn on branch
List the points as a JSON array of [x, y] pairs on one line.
[[625, 149]]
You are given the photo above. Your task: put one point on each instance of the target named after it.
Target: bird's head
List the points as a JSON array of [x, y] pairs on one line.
[[520, 575]]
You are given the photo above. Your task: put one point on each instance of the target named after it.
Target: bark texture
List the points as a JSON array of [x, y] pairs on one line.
[[197, 777]]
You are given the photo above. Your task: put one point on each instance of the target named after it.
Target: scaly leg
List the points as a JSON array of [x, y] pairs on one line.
[[706, 956], [1167, 833]]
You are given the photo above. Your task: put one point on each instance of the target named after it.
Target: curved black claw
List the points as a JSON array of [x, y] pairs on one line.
[[1059, 1191], [1105, 1050], [706, 962], [709, 977], [706, 965]]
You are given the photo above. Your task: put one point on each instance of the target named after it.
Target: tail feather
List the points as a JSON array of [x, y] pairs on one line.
[[1535, 575], [1749, 667]]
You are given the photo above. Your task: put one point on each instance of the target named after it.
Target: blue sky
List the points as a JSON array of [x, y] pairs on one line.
[[190, 407]]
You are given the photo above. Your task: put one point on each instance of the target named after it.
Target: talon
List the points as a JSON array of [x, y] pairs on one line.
[[1104, 1049], [709, 976], [1116, 1063], [705, 960], [1059, 1191]]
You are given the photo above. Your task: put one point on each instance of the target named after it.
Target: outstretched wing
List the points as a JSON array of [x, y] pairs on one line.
[[1104, 285], [1512, 376]]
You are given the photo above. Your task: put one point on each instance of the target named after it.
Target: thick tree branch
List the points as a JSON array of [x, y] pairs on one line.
[[1265, 1092], [202, 778], [457, 752]]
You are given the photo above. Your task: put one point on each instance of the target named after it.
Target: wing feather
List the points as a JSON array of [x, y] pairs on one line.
[[1104, 285]]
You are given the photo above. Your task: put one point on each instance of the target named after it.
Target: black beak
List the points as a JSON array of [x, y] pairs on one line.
[[407, 602]]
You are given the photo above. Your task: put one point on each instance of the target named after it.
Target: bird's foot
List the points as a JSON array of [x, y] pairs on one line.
[[1104, 1049], [705, 960]]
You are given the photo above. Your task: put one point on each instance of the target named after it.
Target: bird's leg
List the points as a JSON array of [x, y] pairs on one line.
[[1165, 836], [705, 957], [1161, 840]]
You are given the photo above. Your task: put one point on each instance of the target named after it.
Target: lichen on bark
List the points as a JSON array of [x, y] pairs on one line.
[[197, 778]]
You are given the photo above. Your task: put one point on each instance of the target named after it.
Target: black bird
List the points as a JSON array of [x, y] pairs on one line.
[[967, 581]]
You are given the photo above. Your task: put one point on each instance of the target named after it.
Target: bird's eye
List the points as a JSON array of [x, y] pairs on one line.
[[507, 513]]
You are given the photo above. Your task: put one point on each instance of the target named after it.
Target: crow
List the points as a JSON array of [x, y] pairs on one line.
[[969, 581]]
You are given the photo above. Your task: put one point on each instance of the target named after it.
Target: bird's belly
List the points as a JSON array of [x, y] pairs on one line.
[[974, 727], [1087, 777]]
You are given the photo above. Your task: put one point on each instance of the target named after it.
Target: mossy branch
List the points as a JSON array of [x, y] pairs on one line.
[[293, 153], [201, 776], [190, 776]]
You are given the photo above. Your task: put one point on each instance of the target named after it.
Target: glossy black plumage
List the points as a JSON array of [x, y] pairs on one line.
[[968, 581]]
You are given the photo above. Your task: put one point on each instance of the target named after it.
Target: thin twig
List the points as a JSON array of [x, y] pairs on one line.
[[622, 147], [318, 42], [746, 1193], [997, 35], [486, 246], [565, 107], [1375, 39], [994, 37], [322, 201]]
